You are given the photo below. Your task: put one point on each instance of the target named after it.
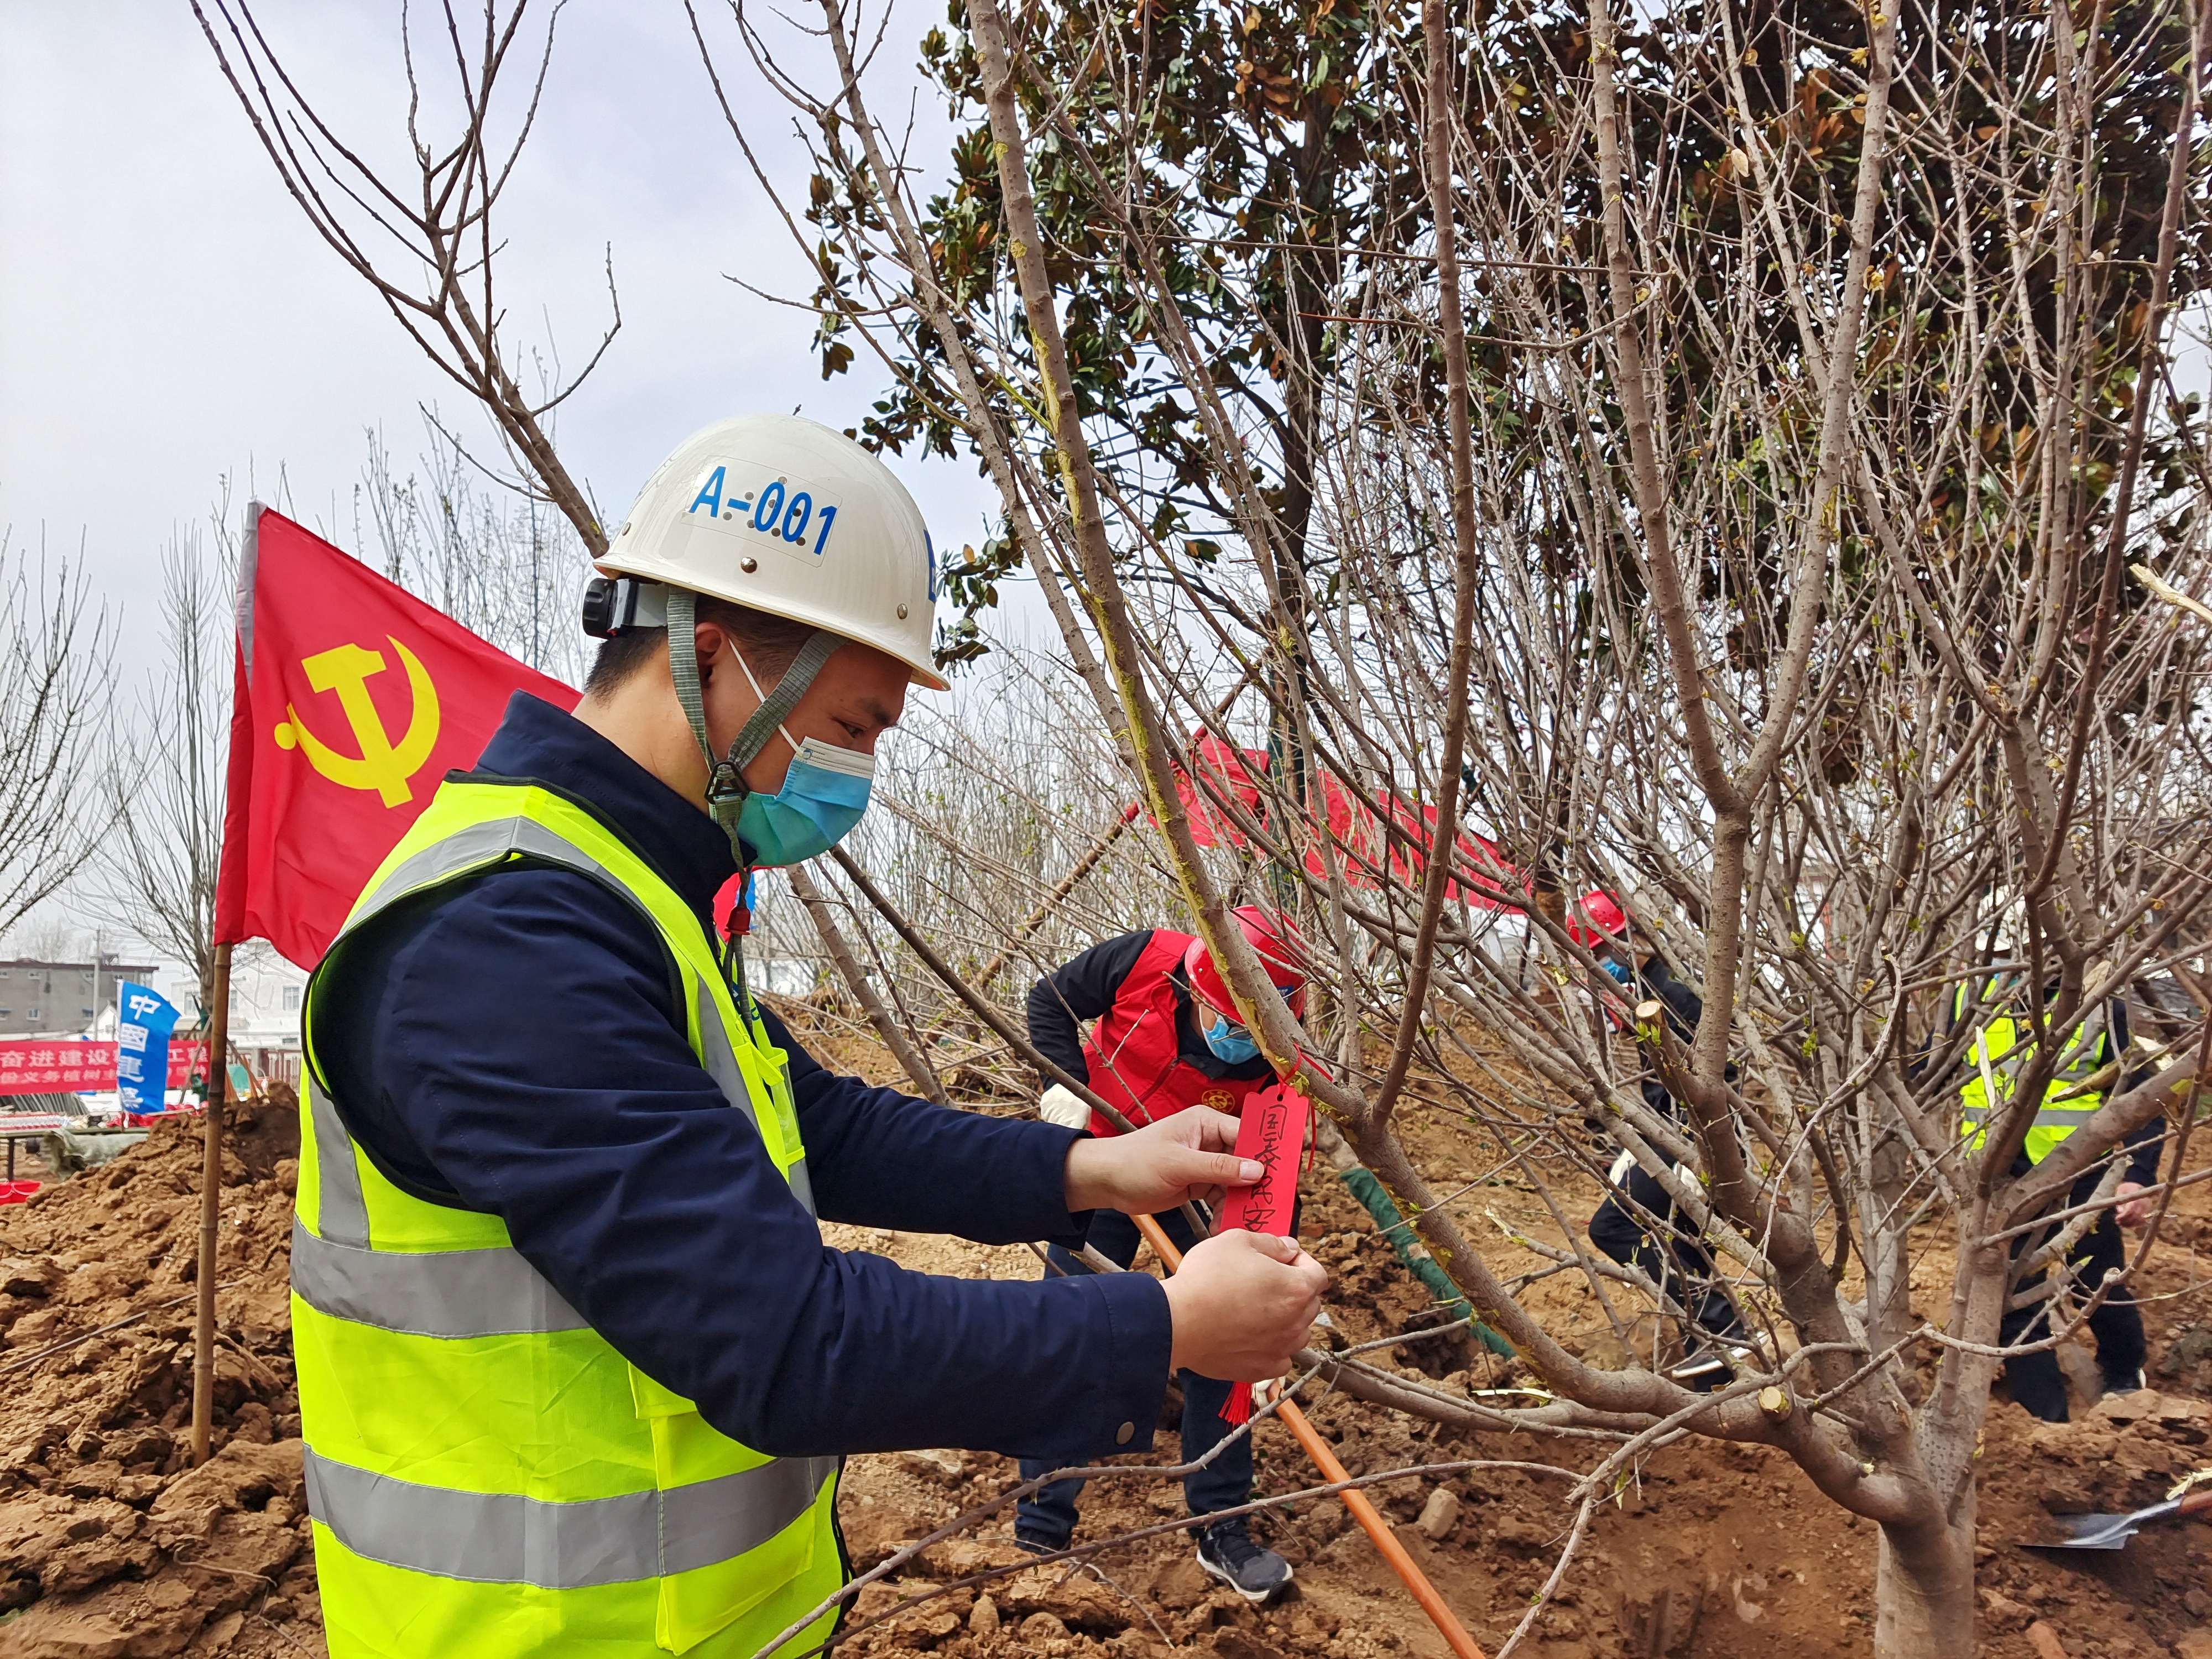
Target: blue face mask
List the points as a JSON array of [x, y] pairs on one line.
[[825, 793], [1230, 1042], [1619, 972], [825, 790]]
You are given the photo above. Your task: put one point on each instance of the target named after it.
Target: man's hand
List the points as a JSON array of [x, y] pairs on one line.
[[1190, 1155], [1242, 1303], [2140, 1202]]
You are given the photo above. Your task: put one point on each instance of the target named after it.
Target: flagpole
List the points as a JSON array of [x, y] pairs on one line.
[[218, 1095]]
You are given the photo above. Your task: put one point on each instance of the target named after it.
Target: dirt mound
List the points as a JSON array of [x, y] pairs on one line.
[[1713, 1552], [2124, 1453], [108, 1546]]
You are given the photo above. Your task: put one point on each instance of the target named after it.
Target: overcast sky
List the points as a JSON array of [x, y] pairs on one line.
[[168, 316]]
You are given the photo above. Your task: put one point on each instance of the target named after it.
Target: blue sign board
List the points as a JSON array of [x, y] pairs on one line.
[[143, 1022]]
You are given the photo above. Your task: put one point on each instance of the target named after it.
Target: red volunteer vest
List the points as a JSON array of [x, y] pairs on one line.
[[1132, 1050]]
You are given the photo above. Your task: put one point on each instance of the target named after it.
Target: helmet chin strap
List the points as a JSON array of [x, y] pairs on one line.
[[726, 788]]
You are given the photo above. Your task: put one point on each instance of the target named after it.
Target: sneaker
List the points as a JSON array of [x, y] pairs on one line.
[[1757, 1349], [1225, 1550], [1703, 1370], [2127, 1384], [1028, 1538]]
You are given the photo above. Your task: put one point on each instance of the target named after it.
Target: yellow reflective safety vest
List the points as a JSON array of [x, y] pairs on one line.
[[488, 1476], [2001, 1053]]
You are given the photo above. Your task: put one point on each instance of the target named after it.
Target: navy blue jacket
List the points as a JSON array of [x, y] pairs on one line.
[[510, 1045]]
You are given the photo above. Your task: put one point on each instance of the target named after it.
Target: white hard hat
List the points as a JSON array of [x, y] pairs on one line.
[[785, 515]]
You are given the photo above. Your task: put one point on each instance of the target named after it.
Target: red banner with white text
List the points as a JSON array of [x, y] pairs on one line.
[[43, 1066]]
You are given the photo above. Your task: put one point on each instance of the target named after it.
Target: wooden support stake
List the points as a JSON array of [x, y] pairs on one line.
[[217, 1095], [1363, 1511]]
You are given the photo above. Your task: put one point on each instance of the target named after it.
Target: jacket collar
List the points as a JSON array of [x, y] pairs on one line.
[[685, 847]]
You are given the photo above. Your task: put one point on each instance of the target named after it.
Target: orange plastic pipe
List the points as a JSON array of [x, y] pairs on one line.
[[1325, 1458]]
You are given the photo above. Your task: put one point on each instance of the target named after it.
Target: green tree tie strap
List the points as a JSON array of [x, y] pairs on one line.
[[1415, 1254]]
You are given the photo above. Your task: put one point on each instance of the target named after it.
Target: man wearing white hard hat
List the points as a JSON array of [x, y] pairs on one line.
[[576, 1370]]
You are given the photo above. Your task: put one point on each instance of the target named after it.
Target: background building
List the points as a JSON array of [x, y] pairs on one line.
[[264, 1011], [51, 999]]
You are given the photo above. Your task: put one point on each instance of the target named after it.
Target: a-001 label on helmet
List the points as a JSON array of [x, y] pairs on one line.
[[753, 501]]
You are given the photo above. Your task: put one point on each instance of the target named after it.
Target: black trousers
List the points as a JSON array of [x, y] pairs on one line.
[[2034, 1379], [1678, 1264], [1050, 1513]]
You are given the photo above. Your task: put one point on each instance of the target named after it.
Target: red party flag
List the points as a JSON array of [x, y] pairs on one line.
[[354, 699]]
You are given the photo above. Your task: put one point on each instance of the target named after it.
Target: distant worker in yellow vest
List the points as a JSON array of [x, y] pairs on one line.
[[2091, 1069], [576, 1370]]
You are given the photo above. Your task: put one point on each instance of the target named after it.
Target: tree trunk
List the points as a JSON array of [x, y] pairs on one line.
[[1885, 1245], [1923, 1594]]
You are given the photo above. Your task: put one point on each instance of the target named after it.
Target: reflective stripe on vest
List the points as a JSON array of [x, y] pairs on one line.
[[341, 1212], [487, 1475], [451, 1293], [502, 1538], [2004, 1048]]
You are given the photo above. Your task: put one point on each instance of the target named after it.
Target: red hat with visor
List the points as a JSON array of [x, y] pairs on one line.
[[1282, 952], [1596, 921]]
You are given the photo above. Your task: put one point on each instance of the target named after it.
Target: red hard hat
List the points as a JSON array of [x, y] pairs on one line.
[[1282, 952], [1595, 921]]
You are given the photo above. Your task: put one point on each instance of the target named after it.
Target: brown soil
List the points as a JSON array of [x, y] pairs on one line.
[[109, 1547], [1715, 1551]]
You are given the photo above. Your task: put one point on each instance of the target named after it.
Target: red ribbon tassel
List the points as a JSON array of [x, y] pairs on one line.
[[1273, 1134]]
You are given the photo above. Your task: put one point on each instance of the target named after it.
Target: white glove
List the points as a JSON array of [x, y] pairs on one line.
[[1058, 1104]]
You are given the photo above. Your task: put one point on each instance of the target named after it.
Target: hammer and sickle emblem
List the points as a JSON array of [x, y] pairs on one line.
[[383, 766]]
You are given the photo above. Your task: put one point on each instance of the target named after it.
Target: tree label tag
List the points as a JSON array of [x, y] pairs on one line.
[[1273, 1134]]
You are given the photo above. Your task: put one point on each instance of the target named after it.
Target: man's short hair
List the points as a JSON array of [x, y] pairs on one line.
[[770, 645]]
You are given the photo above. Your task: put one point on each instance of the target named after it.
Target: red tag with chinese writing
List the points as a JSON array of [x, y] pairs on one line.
[[1273, 1134]]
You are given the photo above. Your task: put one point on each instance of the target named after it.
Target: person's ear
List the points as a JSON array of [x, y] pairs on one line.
[[708, 640]]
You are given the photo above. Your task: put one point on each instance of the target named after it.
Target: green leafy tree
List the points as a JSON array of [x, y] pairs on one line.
[[1260, 145]]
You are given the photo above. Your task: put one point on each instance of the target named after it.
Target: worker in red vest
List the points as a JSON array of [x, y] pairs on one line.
[[1166, 1037]]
